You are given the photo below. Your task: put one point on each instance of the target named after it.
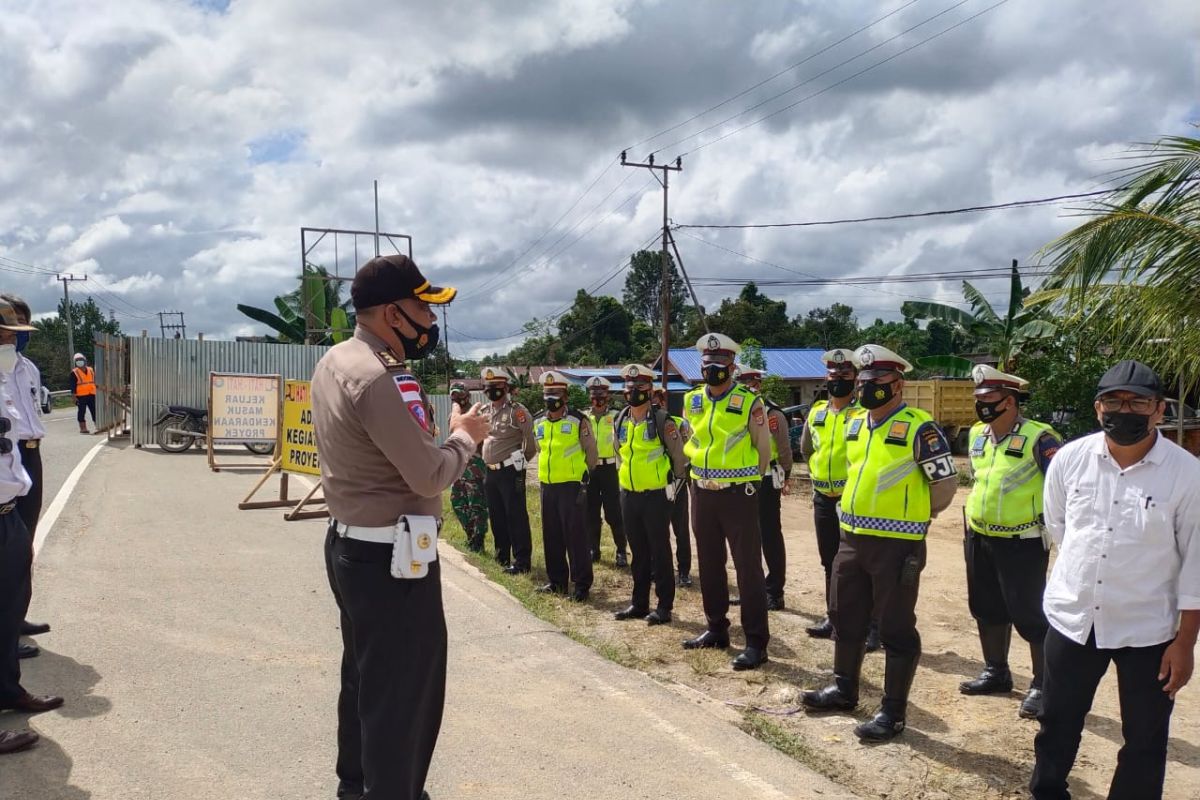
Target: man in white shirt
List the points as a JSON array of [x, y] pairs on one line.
[[1123, 506]]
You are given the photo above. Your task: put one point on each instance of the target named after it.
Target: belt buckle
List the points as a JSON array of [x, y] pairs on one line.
[[7, 508]]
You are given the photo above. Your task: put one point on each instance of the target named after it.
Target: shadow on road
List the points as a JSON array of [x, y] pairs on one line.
[[49, 768]]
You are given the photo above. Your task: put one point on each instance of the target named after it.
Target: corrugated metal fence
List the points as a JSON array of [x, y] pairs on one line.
[[441, 412], [175, 372], [112, 382]]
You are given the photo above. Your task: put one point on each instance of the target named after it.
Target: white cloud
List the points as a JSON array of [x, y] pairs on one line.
[[97, 237]]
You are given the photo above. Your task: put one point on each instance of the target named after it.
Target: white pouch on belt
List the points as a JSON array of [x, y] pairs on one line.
[[415, 546], [777, 476]]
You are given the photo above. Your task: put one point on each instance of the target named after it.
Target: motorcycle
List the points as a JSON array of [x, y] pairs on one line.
[[178, 428]]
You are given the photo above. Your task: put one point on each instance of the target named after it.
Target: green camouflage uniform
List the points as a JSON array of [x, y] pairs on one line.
[[469, 503]]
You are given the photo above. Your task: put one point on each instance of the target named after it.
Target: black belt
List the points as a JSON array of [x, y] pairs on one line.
[[30, 444]]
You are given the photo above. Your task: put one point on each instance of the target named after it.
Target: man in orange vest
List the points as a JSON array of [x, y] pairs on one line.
[[83, 386]]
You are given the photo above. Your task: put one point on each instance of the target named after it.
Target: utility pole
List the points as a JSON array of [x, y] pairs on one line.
[[180, 327], [446, 339], [666, 169], [66, 280]]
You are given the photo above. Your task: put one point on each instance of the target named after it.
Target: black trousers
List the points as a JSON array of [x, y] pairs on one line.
[[564, 538], [731, 516], [681, 528], [30, 506], [648, 519], [829, 537], [505, 490], [16, 560], [88, 403], [875, 572], [393, 670], [604, 492], [771, 530], [1005, 582], [1073, 671]]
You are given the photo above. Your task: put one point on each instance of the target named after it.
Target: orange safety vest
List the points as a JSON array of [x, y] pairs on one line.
[[85, 382]]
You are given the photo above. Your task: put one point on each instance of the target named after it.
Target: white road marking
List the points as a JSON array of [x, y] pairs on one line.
[[46, 523]]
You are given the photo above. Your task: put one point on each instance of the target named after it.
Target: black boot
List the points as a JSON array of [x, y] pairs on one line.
[[873, 642], [1031, 706], [995, 678], [889, 722], [842, 695]]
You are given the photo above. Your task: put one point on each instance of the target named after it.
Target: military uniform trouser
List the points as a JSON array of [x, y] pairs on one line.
[[682, 531], [469, 501], [1005, 582], [648, 518], [16, 559], [604, 493], [393, 670], [730, 517], [509, 516], [876, 572], [771, 530], [829, 537], [564, 538]]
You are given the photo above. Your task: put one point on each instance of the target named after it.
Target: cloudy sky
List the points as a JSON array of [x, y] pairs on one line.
[[172, 150]]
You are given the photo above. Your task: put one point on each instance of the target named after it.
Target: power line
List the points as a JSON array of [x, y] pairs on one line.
[[845, 80]]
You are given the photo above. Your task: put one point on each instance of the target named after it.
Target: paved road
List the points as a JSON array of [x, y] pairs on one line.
[[197, 647]]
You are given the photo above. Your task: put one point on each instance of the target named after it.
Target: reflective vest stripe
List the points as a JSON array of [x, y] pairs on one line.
[[1007, 495]]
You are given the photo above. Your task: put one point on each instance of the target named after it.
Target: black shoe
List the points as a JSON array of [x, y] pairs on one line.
[[580, 595], [842, 695], [34, 628], [1031, 706], [475, 547], [28, 651], [685, 580], [621, 560], [735, 600], [750, 658], [515, 569], [873, 644], [831, 698], [822, 630], [633, 612], [503, 562], [658, 616], [775, 603], [707, 640], [993, 680], [551, 588], [883, 727]]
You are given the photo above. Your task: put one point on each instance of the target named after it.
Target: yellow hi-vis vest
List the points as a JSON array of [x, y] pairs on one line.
[[886, 491], [720, 447], [827, 429], [602, 426], [645, 464], [1007, 496], [561, 459]]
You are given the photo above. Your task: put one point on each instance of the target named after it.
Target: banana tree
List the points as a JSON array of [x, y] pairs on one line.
[[1004, 337], [316, 304]]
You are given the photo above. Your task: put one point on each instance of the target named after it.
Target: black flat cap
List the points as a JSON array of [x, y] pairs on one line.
[[386, 279], [1130, 376]]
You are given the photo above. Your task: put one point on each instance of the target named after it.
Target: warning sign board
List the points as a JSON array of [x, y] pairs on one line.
[[299, 439], [243, 409]]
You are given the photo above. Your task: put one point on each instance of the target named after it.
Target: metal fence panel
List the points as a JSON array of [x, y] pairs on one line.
[[441, 412], [112, 383], [175, 372]]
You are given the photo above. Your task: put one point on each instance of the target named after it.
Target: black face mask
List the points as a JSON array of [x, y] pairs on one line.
[[715, 374], [420, 345], [637, 397], [1124, 427], [599, 400], [875, 395], [988, 412], [841, 387], [495, 392], [553, 402]]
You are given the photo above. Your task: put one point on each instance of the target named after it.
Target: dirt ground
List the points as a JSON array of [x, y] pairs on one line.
[[955, 746]]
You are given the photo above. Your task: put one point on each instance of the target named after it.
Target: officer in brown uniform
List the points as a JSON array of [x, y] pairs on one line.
[[509, 446], [383, 477], [774, 485]]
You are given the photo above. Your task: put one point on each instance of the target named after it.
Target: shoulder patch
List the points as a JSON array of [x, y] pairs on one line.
[[758, 415], [520, 415], [773, 423], [389, 360], [410, 393], [669, 429]]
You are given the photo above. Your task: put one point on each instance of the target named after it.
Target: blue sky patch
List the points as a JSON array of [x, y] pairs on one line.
[[277, 146]]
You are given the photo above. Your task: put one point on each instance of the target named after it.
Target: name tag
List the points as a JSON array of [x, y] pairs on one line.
[[566, 427], [819, 417], [855, 427]]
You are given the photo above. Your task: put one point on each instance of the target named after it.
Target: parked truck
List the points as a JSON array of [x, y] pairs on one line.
[[951, 402]]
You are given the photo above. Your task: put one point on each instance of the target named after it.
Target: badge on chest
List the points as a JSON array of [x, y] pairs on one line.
[[897, 433], [854, 430]]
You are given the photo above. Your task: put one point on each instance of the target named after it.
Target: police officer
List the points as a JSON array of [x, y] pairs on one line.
[[1006, 553], [567, 455], [383, 476], [730, 452], [680, 526], [508, 447], [900, 475], [603, 490], [650, 467], [467, 496], [28, 432], [770, 495], [823, 443]]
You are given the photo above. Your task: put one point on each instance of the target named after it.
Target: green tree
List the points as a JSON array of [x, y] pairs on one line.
[[753, 314], [316, 303], [643, 289], [596, 328], [1062, 381], [775, 389], [1002, 336], [48, 344], [1133, 268], [904, 338], [752, 355], [828, 328]]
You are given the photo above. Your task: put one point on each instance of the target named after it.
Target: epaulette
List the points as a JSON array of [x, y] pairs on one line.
[[389, 360]]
